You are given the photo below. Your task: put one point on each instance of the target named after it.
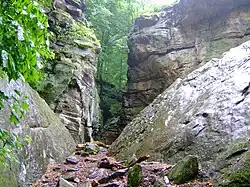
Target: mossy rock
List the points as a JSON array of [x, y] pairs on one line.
[[91, 148], [185, 170], [135, 176], [235, 171]]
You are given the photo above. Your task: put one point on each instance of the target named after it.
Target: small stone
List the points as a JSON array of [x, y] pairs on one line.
[[91, 148], [80, 147], [77, 180], [166, 180], [72, 169], [159, 182], [64, 183], [113, 184], [97, 173], [72, 160], [103, 150], [104, 163], [91, 160], [69, 176], [185, 170]]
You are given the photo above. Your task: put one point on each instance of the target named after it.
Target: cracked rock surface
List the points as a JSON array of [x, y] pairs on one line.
[[203, 114], [172, 43]]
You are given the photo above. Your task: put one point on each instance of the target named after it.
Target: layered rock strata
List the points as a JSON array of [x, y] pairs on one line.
[[173, 42], [70, 88]]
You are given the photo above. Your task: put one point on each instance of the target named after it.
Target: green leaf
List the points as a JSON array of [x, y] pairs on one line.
[[24, 106], [14, 119]]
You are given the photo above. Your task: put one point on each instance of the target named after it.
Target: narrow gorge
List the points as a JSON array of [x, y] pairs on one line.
[[183, 118]]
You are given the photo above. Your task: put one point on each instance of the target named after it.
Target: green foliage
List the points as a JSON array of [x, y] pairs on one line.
[[112, 21], [24, 39], [24, 45], [8, 142]]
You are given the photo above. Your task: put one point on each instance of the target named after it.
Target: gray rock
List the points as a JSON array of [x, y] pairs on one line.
[[91, 148], [51, 142], [72, 160], [98, 173], [199, 114], [69, 176], [172, 43]]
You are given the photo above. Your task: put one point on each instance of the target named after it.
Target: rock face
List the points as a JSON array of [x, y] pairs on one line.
[[51, 141], [204, 114], [69, 88], [172, 43]]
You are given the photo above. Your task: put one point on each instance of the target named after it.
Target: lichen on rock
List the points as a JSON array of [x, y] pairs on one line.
[[234, 165]]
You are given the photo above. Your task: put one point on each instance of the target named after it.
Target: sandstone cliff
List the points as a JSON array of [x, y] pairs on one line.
[[173, 42], [69, 88], [205, 113]]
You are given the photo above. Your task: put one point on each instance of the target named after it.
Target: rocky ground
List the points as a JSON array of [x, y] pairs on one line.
[[91, 166]]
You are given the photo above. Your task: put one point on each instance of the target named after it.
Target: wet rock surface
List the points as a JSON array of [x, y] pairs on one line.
[[205, 113], [172, 43]]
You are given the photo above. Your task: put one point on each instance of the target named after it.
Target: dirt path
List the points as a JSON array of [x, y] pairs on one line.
[[101, 170]]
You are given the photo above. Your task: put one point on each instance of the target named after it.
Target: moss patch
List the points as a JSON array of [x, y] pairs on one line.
[[185, 170], [135, 176], [237, 173]]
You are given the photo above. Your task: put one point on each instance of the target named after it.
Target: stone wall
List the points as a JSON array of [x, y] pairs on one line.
[[173, 42]]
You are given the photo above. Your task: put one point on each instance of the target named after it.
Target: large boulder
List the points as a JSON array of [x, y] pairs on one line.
[[69, 87], [51, 141], [204, 114], [177, 40]]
